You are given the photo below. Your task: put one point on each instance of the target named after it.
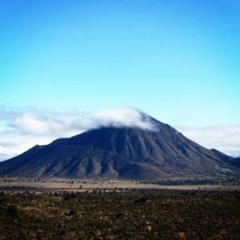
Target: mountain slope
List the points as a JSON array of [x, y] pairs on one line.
[[120, 152]]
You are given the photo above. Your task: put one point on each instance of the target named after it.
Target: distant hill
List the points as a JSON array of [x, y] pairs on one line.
[[121, 153]]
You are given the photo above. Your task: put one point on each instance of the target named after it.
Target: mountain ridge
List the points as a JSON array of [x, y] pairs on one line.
[[152, 151]]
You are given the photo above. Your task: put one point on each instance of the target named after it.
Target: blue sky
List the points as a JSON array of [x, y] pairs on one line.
[[179, 61]]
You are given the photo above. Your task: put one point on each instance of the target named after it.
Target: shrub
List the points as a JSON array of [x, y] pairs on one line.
[[13, 212]]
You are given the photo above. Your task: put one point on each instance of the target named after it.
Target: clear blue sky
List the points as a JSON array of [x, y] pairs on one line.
[[169, 58], [177, 60]]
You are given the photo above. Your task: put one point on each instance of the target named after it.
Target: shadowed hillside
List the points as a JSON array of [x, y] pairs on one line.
[[121, 152]]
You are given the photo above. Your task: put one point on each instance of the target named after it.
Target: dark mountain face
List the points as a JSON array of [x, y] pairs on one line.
[[120, 152]]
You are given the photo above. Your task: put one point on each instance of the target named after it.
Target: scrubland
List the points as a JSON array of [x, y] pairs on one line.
[[129, 214]]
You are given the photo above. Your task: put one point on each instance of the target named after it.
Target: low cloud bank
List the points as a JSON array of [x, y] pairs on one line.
[[225, 138], [38, 123]]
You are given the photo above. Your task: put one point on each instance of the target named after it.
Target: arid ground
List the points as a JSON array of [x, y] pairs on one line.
[[84, 209], [134, 214], [80, 185]]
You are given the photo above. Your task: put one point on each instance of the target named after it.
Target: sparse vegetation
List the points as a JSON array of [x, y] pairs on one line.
[[139, 214], [217, 181]]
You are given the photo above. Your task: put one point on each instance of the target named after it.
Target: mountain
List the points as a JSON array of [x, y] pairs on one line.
[[121, 152]]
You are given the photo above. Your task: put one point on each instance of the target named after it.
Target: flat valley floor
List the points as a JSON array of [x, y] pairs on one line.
[[55, 185]]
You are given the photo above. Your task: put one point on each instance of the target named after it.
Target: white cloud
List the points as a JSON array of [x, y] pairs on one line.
[[30, 124], [225, 138], [129, 117], [39, 123]]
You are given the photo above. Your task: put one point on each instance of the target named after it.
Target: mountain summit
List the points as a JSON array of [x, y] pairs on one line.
[[142, 148]]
